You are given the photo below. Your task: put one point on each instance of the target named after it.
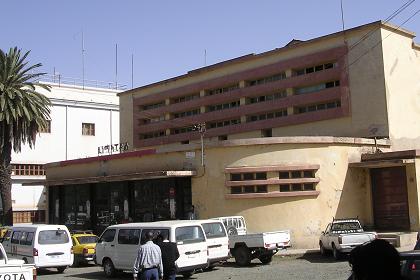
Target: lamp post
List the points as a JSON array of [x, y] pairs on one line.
[[201, 128]]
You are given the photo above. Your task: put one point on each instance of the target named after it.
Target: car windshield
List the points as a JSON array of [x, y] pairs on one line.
[[87, 239], [53, 237], [346, 227]]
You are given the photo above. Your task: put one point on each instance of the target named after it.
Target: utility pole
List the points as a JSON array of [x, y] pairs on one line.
[[201, 128]]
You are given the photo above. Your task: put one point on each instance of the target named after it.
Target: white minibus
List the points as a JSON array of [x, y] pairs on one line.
[[46, 246], [217, 241], [117, 247]]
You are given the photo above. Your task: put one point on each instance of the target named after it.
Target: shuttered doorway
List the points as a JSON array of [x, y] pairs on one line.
[[390, 201]]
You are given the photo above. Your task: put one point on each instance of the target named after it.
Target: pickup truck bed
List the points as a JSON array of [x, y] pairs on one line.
[[258, 245]]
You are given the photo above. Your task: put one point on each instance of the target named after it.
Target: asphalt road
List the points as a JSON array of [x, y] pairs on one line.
[[310, 266]]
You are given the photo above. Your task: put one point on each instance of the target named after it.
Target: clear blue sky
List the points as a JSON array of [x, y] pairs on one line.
[[168, 38]]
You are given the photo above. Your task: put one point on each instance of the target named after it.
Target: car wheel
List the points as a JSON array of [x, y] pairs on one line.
[[109, 268], [322, 249], [242, 256], [336, 253], [232, 231], [187, 275], [266, 259], [61, 269]]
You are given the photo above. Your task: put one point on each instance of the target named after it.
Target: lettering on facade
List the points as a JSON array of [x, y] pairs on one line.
[[113, 148]]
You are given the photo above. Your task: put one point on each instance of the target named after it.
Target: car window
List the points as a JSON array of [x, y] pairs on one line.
[[129, 236], [16, 237], [417, 246], [156, 233], [107, 236], [57, 236], [26, 238], [87, 239], [189, 234], [214, 230]]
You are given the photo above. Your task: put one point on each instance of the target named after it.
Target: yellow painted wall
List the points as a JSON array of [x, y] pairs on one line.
[[402, 72], [344, 192]]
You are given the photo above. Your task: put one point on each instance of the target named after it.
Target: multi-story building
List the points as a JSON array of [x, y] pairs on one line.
[[82, 119], [316, 129]]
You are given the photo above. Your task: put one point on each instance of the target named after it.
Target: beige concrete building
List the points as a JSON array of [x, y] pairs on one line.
[[295, 136]]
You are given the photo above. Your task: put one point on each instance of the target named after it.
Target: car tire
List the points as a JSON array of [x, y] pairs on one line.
[[187, 275], [109, 268], [61, 269], [336, 253], [232, 231], [322, 249], [242, 256], [266, 259]]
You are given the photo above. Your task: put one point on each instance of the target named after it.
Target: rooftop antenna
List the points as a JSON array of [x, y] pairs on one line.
[[342, 14], [116, 66], [205, 57], [83, 61], [132, 71]]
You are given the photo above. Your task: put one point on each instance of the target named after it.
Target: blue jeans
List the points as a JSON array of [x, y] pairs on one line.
[[169, 276], [150, 274]]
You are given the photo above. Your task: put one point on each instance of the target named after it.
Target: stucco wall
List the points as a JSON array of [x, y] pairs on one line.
[[343, 191], [368, 108], [402, 72]]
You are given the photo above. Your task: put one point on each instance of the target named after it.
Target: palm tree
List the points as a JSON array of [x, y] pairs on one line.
[[23, 112]]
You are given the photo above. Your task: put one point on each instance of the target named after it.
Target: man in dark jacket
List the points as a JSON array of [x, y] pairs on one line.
[[169, 255]]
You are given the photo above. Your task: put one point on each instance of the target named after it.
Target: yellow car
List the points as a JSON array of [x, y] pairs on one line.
[[84, 245]]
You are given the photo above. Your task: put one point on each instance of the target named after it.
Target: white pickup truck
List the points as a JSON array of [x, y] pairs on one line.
[[248, 246], [15, 269], [342, 235]]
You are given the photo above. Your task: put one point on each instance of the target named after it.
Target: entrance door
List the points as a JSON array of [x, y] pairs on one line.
[[390, 201]]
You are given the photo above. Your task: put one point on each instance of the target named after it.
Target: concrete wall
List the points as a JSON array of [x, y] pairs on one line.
[[368, 115], [71, 106], [402, 72]]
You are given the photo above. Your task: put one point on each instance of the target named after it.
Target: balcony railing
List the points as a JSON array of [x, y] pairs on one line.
[[83, 83]]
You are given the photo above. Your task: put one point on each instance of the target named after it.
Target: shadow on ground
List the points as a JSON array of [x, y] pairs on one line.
[[318, 258]]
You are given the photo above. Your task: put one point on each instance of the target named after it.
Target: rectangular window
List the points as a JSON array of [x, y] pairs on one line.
[[53, 237], [261, 176], [262, 189], [296, 187], [248, 176], [317, 107], [315, 68], [235, 177], [223, 89], [47, 128], [284, 188], [296, 174], [155, 134], [249, 189], [185, 98], [88, 129], [129, 236], [222, 137], [224, 106], [284, 175], [269, 79], [267, 133], [308, 174], [189, 234], [235, 190], [308, 187], [153, 106]]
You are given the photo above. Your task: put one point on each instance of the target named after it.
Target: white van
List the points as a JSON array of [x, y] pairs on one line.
[[217, 241], [118, 245], [235, 225], [43, 245]]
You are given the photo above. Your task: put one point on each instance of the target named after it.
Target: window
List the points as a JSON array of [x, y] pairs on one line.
[[224, 106], [26, 238], [28, 170], [185, 98], [154, 134], [236, 177], [266, 116], [222, 137], [152, 120], [269, 79], [189, 234], [185, 142], [261, 176], [262, 189], [186, 113], [53, 237], [223, 89], [223, 123], [88, 129], [152, 106], [156, 232], [214, 230], [283, 175], [16, 237], [107, 236], [47, 128], [285, 188], [315, 68], [248, 176], [249, 189], [317, 107], [318, 87], [182, 130], [36, 216], [87, 239], [267, 133], [129, 236], [263, 98]]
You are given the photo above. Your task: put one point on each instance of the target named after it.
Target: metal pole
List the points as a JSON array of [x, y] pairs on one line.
[[202, 149]]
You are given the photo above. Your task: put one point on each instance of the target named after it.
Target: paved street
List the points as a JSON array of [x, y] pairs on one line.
[[310, 266]]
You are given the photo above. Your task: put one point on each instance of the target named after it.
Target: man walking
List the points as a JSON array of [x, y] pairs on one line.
[[149, 261], [169, 255]]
